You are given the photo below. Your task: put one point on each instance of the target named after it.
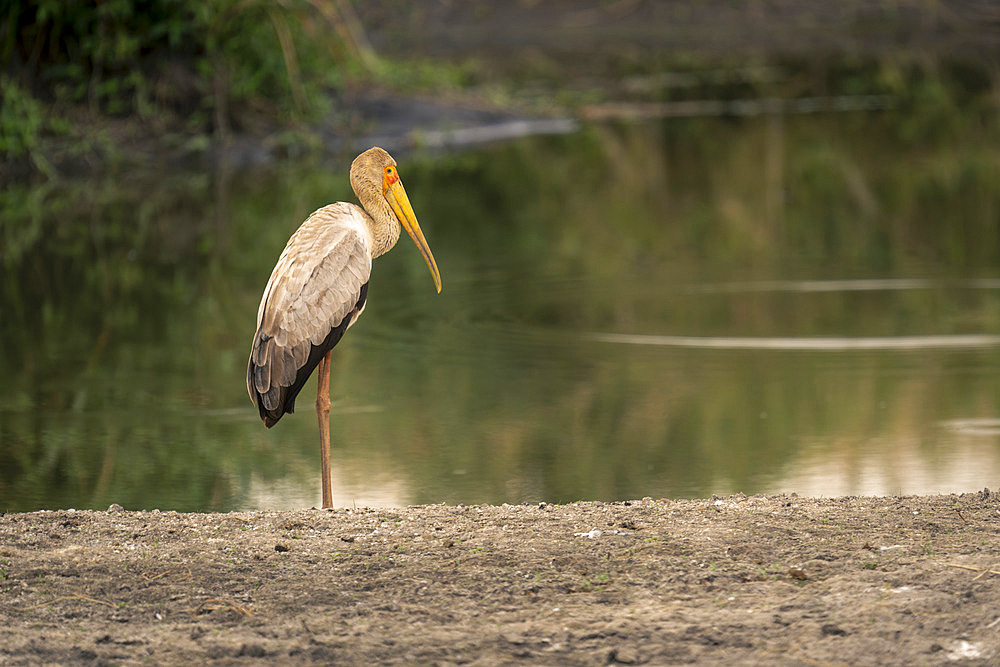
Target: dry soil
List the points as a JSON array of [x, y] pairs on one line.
[[776, 580]]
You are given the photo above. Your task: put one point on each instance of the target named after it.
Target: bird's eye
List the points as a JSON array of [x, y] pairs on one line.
[[388, 170]]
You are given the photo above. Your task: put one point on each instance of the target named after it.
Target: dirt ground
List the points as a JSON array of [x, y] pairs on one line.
[[738, 580]]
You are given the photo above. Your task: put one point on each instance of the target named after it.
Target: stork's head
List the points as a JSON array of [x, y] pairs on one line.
[[374, 176]]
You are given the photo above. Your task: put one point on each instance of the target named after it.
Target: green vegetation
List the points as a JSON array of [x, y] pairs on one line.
[[22, 122], [175, 65]]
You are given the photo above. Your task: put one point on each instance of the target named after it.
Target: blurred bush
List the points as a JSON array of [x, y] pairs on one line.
[[21, 120], [200, 66]]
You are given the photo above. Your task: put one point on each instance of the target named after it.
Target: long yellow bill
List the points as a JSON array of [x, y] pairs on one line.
[[400, 203]]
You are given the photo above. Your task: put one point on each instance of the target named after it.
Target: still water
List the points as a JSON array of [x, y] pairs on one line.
[[678, 308]]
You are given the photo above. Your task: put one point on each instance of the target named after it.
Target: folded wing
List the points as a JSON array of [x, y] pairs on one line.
[[317, 290]]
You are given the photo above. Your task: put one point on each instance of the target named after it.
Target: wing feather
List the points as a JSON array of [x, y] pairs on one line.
[[316, 290], [262, 377]]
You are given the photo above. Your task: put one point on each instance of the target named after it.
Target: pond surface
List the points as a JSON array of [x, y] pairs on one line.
[[667, 309]]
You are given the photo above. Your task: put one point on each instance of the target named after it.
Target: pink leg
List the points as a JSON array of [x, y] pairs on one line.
[[323, 415]]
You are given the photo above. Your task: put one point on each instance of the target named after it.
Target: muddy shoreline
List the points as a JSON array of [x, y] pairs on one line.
[[735, 580]]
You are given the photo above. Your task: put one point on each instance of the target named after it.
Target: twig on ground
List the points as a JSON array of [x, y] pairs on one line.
[[170, 571], [981, 570], [224, 603], [75, 596]]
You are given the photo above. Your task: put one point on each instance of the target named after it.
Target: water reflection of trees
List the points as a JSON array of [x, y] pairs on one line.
[[127, 304]]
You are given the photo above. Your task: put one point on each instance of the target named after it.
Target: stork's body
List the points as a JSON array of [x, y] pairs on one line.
[[318, 289]]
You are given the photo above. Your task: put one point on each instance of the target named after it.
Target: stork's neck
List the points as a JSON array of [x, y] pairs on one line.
[[381, 220]]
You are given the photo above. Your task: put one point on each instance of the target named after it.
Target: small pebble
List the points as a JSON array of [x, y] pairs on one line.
[[623, 656]]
